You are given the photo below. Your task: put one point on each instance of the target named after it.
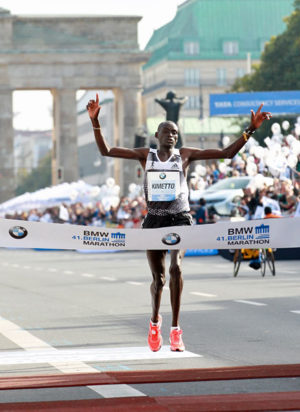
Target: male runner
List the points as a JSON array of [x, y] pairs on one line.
[[167, 207]]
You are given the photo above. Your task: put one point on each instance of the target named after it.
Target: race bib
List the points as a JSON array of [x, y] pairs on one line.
[[163, 186]]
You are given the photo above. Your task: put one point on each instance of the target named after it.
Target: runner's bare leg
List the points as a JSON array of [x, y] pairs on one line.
[[176, 284], [156, 260]]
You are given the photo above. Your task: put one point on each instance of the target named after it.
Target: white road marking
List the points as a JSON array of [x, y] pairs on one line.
[[109, 278], [41, 352], [26, 267], [52, 270], [295, 311], [88, 275], [206, 295], [4, 264], [250, 302], [134, 283], [38, 268], [15, 265], [68, 272], [34, 346], [116, 391]]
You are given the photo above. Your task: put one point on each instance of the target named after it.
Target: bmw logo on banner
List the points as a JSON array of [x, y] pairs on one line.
[[18, 232], [171, 239]]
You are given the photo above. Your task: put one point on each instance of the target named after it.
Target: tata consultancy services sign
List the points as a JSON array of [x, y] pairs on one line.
[[230, 104]]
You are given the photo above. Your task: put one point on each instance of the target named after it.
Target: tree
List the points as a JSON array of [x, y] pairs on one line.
[[39, 177], [279, 68], [280, 61]]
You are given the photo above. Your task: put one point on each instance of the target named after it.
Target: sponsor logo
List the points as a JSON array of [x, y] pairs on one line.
[[162, 175], [262, 231], [118, 236], [102, 238], [175, 166], [171, 239], [18, 232], [245, 236]]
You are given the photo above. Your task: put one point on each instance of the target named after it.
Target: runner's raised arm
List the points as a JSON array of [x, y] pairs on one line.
[[140, 154], [190, 153]]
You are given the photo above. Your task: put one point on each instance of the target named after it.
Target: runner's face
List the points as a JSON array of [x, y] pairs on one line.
[[167, 134]]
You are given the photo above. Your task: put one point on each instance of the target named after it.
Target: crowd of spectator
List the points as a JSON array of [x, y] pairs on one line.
[[281, 195], [275, 178], [279, 162], [128, 213]]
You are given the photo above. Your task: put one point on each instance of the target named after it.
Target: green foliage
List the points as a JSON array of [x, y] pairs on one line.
[[280, 61], [279, 68], [39, 178]]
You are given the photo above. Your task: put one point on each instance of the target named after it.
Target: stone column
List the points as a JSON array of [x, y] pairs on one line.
[[6, 28], [65, 148], [129, 119], [7, 180]]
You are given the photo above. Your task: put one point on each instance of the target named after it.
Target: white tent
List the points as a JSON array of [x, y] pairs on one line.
[[52, 196]]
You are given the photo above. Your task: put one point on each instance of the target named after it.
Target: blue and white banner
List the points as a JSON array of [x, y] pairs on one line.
[[263, 233], [234, 104]]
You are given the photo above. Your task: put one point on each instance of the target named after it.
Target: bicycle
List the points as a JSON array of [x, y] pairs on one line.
[[266, 258]]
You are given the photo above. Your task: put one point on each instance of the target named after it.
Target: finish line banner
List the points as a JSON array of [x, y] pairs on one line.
[[263, 233]]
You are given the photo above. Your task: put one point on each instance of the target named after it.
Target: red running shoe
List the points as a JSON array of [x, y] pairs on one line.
[[176, 340], [154, 336]]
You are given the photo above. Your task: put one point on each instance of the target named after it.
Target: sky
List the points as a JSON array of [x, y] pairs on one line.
[[154, 13]]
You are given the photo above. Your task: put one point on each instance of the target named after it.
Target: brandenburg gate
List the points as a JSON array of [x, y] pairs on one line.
[[64, 54]]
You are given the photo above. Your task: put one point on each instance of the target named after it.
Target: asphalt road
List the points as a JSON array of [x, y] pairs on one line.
[[65, 311]]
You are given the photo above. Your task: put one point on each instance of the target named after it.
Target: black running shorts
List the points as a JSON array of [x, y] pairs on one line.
[[179, 219]]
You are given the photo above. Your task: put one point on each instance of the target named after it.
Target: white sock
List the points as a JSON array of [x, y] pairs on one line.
[[154, 323], [175, 327]]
